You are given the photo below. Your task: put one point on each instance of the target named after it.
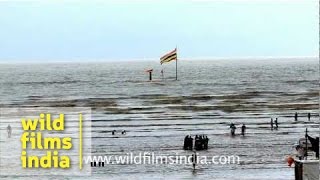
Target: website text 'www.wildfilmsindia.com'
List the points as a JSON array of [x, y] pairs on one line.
[[152, 158]]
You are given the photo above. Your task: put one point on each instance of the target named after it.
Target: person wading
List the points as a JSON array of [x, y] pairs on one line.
[[9, 130], [276, 123], [194, 160], [233, 129], [243, 129]]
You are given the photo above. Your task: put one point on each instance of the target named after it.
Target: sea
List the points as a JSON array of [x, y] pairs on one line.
[[158, 114]]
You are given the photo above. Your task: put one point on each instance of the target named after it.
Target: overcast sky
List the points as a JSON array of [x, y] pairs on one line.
[[124, 30]]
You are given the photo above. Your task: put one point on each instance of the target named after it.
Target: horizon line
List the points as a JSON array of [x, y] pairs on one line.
[[93, 60]]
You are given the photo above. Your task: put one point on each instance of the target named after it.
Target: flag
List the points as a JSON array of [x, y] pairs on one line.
[[149, 70], [169, 57]]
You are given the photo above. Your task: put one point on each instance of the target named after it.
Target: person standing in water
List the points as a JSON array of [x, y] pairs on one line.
[[296, 116], [276, 123], [271, 123], [194, 160], [162, 74], [186, 143], [309, 116], [114, 132], [9, 130], [243, 129], [233, 129], [206, 142]]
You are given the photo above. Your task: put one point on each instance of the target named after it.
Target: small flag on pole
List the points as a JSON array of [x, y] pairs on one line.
[[148, 70], [171, 56], [150, 73]]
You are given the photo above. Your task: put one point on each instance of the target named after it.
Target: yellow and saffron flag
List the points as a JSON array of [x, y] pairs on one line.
[[169, 57]]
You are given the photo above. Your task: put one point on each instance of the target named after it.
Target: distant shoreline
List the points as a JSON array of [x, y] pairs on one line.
[[206, 59]]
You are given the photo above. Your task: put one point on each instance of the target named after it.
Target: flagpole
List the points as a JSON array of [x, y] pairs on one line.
[[177, 64]]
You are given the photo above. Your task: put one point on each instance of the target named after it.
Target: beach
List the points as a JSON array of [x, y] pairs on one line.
[[157, 115]]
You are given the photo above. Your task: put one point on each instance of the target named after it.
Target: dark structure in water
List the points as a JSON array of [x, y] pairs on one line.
[[150, 73], [315, 144], [200, 143]]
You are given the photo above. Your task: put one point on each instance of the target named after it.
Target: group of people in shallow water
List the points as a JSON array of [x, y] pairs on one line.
[[296, 116], [275, 125], [122, 132], [200, 142], [233, 129]]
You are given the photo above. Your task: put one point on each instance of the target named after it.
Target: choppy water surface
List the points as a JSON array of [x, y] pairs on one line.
[[157, 115]]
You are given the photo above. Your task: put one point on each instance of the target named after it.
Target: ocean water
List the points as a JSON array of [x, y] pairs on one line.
[[157, 115]]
